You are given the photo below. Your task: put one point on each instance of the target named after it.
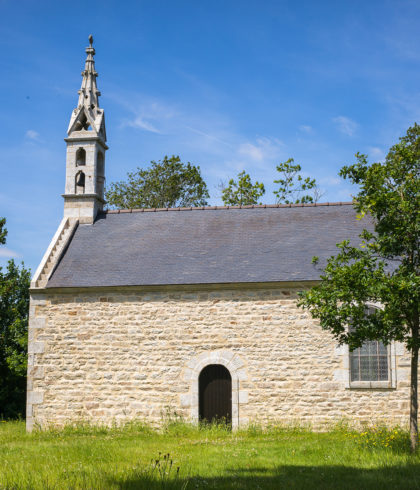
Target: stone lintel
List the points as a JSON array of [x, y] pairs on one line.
[[83, 137], [83, 197]]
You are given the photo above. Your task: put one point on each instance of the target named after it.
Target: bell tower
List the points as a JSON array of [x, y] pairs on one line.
[[86, 146]]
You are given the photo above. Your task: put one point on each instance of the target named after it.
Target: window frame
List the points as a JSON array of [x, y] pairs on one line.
[[391, 382]]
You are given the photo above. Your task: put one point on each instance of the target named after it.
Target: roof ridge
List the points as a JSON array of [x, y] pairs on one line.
[[209, 208]]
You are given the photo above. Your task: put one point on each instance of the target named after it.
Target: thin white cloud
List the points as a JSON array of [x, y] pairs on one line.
[[207, 135], [376, 153], [251, 151], [401, 43], [330, 180], [147, 113], [196, 129], [345, 125], [262, 150], [305, 128], [31, 134], [140, 123], [345, 194], [7, 253]]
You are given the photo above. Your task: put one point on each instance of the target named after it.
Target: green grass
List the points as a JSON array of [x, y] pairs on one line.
[[86, 457]]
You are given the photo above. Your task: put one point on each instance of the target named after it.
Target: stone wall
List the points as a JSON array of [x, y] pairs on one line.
[[113, 355]]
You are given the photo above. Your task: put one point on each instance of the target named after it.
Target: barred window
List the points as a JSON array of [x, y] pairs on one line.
[[370, 361]]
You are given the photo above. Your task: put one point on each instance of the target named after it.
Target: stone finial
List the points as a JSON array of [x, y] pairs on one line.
[[89, 93], [88, 114]]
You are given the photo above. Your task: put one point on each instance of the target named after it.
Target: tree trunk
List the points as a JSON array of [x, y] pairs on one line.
[[414, 432]]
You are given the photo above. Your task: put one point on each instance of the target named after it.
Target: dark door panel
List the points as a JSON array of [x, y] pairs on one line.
[[215, 394]]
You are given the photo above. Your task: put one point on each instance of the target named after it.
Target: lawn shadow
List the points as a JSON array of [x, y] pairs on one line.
[[288, 477]]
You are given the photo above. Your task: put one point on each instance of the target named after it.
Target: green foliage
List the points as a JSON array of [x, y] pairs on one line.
[[242, 192], [293, 188], [14, 307], [3, 231], [350, 280], [165, 184], [130, 457], [375, 437], [386, 268]]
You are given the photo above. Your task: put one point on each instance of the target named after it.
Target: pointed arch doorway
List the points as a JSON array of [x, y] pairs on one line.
[[215, 394]]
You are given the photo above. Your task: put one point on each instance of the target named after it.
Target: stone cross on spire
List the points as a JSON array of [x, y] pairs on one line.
[[87, 114]]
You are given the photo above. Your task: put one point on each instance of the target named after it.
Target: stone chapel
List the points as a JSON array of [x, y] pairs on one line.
[[137, 312]]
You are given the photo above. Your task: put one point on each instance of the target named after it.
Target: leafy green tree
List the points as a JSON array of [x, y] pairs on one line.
[[242, 192], [3, 231], [165, 184], [386, 268], [293, 188], [14, 308]]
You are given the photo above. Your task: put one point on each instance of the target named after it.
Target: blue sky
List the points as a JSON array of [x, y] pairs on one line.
[[227, 85]]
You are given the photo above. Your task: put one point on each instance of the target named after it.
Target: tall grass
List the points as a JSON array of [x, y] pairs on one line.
[[183, 456]]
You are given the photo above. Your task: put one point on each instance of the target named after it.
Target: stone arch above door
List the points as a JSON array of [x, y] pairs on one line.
[[236, 366]]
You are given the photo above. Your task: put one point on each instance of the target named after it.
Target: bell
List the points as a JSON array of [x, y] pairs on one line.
[[80, 179]]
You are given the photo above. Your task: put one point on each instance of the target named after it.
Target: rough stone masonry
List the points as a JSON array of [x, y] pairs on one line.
[[119, 355]]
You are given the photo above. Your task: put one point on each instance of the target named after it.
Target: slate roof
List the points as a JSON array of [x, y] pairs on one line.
[[206, 245]]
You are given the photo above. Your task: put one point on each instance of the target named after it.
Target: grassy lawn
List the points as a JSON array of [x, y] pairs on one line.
[[134, 457]]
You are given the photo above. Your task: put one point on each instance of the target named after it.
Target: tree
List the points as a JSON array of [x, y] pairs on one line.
[[165, 184], [292, 185], [3, 231], [14, 308], [386, 268], [243, 192]]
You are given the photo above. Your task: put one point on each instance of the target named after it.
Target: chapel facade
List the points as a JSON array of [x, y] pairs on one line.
[[139, 313]]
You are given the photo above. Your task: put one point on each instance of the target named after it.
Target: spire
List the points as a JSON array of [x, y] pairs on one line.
[[87, 114], [89, 93]]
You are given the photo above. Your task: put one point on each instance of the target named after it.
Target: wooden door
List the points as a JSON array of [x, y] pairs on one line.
[[215, 394]]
